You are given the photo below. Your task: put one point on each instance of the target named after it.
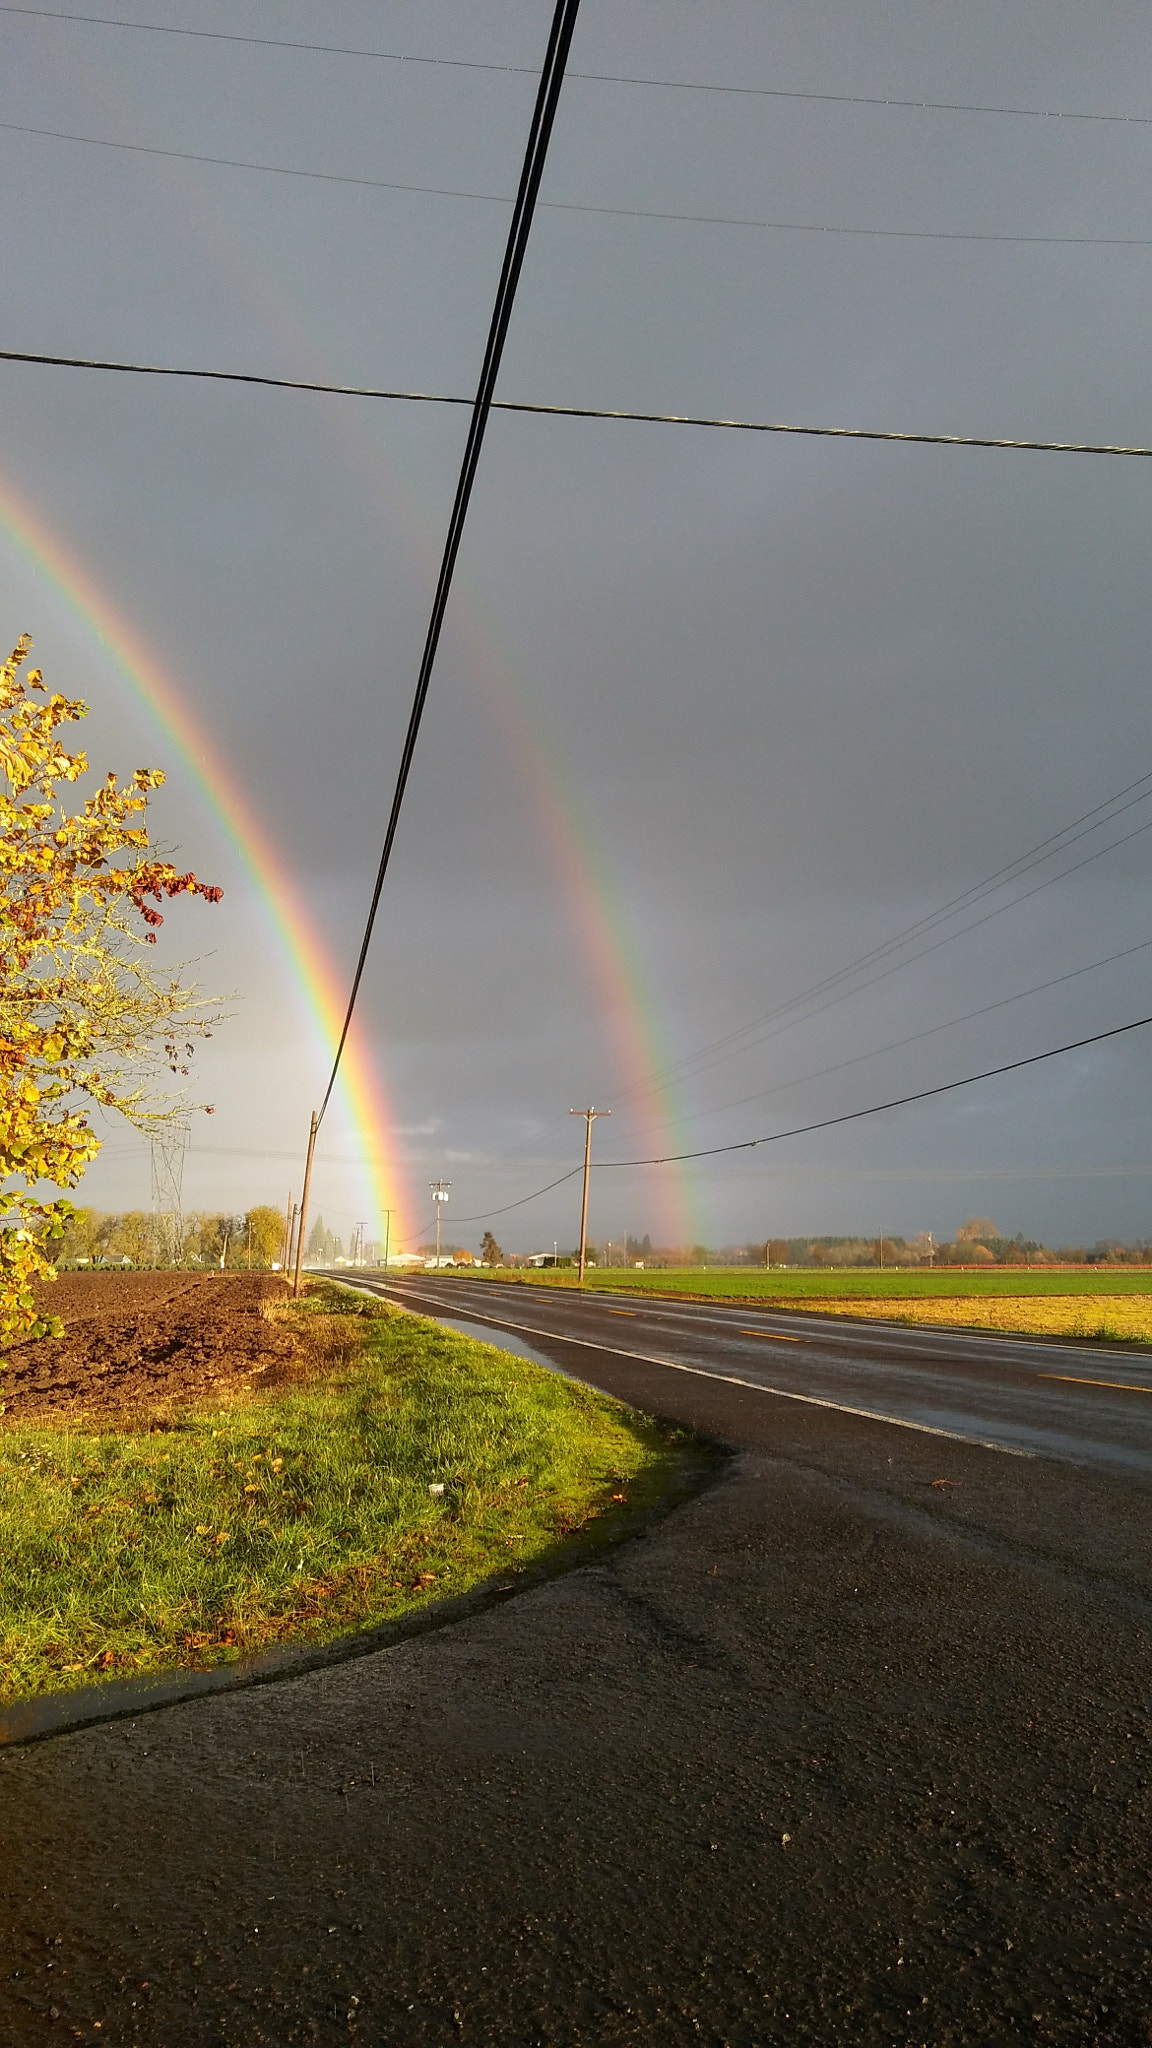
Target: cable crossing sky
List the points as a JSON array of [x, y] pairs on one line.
[[572, 412], [543, 116]]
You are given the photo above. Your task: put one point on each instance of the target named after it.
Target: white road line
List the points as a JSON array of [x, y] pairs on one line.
[[958, 1436]]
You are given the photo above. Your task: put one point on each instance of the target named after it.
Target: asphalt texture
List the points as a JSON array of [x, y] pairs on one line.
[[853, 1748]]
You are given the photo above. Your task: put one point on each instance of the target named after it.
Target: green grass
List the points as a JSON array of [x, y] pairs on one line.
[[305, 1514], [796, 1284]]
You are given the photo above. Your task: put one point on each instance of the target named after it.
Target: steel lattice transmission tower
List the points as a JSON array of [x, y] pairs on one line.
[[169, 1146]]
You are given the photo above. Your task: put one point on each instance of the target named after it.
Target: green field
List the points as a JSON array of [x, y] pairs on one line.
[[798, 1284], [308, 1513]]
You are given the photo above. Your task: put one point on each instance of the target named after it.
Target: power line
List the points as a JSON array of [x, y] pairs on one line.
[[825, 1123], [535, 1196], [768, 92], [551, 80], [568, 412], [877, 1108], [914, 1037], [712, 220], [1057, 842]]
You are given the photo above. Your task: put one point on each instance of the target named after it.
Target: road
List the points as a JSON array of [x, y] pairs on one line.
[[1089, 1404], [852, 1750]]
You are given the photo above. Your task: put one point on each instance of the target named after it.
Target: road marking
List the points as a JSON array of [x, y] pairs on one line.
[[623, 1312], [1072, 1379], [770, 1336], [729, 1379]]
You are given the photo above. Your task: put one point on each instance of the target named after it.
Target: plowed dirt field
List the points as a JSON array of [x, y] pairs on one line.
[[135, 1342]]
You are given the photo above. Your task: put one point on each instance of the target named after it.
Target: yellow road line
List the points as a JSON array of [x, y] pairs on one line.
[[623, 1312], [771, 1336], [1072, 1379]]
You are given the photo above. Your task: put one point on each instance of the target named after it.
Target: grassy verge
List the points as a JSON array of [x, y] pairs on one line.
[[304, 1514], [799, 1285]]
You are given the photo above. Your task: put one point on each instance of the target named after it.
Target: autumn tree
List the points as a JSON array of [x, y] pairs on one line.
[[87, 1024], [264, 1232]]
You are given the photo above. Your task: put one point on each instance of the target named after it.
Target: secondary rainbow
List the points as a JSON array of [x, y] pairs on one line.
[[323, 995]]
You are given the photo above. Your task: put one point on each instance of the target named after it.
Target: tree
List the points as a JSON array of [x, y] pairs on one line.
[[490, 1251], [318, 1239], [976, 1230], [264, 1230], [131, 1237], [85, 1021]]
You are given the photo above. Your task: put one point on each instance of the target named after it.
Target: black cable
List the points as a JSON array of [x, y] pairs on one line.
[[535, 1196], [897, 1102], [801, 1130], [1057, 842], [708, 220], [566, 412], [845, 99], [897, 1044], [547, 98]]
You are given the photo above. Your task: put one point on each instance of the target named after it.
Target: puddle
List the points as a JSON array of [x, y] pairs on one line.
[[504, 1340]]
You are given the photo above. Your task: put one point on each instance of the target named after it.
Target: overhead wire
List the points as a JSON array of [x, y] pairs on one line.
[[877, 1108], [547, 98], [770, 92], [1045, 849], [568, 412], [713, 220], [830, 1122], [930, 1031]]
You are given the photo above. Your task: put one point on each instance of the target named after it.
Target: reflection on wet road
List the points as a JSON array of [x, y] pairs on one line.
[[1080, 1402]]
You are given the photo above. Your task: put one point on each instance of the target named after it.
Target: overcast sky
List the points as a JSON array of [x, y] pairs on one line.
[[715, 715]]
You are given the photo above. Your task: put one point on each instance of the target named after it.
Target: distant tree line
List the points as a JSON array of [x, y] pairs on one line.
[[201, 1239]]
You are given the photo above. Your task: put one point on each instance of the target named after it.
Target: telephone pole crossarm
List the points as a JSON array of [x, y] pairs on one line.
[[589, 1116]]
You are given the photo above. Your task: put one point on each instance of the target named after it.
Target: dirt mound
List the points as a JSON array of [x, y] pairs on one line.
[[139, 1341]]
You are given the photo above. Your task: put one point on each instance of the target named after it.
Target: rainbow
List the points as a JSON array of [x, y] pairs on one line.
[[322, 989], [609, 950]]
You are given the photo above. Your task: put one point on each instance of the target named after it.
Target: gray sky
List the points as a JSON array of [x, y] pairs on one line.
[[714, 715]]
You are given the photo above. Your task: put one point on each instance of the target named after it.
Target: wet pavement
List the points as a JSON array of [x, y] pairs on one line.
[[1089, 1403]]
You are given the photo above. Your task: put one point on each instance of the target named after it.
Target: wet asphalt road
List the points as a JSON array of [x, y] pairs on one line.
[[853, 1748], [1058, 1400]]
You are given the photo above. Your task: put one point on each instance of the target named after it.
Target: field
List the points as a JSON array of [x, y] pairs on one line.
[[1105, 1304], [306, 1471], [802, 1285]]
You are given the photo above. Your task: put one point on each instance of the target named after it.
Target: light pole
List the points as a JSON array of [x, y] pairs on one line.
[[439, 1196], [589, 1116], [387, 1235]]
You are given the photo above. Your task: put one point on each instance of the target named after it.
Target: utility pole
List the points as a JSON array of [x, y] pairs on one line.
[[360, 1229], [439, 1196], [312, 1130], [284, 1245], [589, 1116], [387, 1235], [249, 1245], [292, 1216], [881, 1251]]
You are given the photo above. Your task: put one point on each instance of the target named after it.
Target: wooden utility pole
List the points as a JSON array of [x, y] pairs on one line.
[[286, 1244], [312, 1130], [589, 1116]]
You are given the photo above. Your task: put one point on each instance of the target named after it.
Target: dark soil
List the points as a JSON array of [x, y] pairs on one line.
[[135, 1342]]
